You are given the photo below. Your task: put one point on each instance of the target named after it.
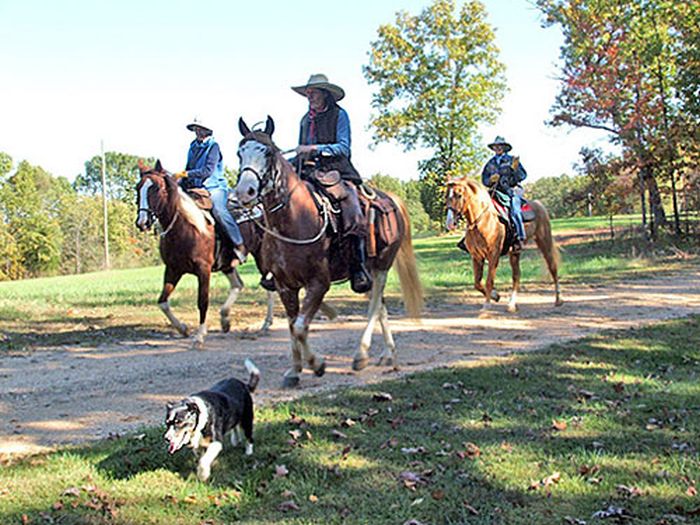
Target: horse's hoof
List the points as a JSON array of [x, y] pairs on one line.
[[360, 363], [385, 361], [512, 308], [495, 296], [183, 330], [290, 381], [225, 326], [558, 302], [321, 369]]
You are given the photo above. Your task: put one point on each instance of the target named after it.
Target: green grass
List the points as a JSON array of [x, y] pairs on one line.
[[478, 444], [120, 305]]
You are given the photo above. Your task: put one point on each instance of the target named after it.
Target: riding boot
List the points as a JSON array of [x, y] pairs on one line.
[[267, 281], [360, 279]]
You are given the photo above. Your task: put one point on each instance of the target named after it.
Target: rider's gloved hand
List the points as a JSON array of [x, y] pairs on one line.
[[180, 175], [494, 179], [305, 149]]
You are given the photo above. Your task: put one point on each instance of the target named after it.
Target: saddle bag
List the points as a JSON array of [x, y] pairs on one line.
[[382, 220], [201, 198]]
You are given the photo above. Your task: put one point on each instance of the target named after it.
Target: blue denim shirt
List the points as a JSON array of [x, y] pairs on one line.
[[205, 167]]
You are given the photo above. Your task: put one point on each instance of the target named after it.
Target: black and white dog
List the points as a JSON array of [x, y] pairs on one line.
[[203, 419]]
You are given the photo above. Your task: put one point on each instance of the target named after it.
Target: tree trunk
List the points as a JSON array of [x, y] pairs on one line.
[[656, 207]]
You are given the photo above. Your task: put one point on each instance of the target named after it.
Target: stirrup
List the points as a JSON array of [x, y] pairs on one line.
[[360, 281]]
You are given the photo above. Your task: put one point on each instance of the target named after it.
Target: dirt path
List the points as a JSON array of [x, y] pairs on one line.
[[77, 394]]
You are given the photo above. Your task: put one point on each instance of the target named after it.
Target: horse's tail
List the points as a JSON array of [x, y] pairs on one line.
[[544, 238], [406, 267]]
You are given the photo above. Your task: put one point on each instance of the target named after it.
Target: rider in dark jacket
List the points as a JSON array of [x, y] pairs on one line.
[[324, 135], [505, 173]]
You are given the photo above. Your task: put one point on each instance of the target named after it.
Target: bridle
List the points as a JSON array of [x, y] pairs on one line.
[[459, 214], [266, 184], [152, 215]]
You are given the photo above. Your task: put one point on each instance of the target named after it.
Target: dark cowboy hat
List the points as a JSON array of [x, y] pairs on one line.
[[320, 81], [198, 122], [500, 141]]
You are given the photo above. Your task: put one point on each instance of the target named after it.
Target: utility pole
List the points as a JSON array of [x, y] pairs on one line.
[[104, 206]]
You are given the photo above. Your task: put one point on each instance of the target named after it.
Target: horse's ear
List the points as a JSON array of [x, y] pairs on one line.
[[159, 166], [243, 127], [269, 126]]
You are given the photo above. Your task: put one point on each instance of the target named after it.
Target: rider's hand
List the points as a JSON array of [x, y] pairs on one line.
[[180, 175], [305, 149], [494, 179]]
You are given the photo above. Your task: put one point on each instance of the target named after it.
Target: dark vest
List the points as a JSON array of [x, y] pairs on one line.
[[326, 126]]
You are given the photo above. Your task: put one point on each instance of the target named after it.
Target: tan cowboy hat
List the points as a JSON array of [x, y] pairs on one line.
[[320, 81], [198, 122], [500, 141]]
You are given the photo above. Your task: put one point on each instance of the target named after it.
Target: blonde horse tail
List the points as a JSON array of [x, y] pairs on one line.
[[545, 240], [406, 267]]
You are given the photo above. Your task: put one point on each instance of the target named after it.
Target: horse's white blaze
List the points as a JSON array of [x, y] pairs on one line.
[[253, 159], [450, 220], [142, 217], [192, 213]]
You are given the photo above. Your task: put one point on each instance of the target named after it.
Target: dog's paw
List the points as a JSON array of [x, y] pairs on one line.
[[203, 473], [249, 449]]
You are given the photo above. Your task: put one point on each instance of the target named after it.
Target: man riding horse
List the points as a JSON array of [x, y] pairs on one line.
[[503, 173], [205, 169], [324, 139]]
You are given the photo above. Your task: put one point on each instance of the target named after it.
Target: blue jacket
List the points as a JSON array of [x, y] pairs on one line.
[[205, 166], [509, 178]]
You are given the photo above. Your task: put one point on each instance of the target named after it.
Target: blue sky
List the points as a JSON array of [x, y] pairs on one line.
[[133, 73]]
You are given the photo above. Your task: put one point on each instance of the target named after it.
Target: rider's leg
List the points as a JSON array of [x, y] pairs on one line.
[[224, 218], [516, 216], [355, 229]]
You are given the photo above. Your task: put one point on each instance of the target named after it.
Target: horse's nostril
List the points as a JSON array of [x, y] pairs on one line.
[[251, 191]]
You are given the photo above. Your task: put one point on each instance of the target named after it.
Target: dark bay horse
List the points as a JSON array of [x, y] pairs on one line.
[[188, 245], [297, 248], [485, 236]]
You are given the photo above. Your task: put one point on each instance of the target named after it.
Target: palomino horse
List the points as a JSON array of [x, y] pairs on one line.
[[485, 237], [297, 247], [187, 245]]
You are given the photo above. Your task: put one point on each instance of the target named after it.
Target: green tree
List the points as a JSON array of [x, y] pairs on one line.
[[629, 68], [122, 174], [31, 201], [438, 79], [409, 193]]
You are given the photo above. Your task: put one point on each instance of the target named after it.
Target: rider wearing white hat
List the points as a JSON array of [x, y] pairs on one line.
[[501, 171], [205, 169], [324, 136]]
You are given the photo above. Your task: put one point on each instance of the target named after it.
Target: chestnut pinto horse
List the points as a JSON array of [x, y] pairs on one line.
[[187, 245], [485, 236], [296, 246]]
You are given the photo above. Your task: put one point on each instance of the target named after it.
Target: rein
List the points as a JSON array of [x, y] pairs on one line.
[[170, 226], [290, 240]]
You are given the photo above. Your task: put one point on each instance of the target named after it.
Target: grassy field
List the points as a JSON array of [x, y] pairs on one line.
[[606, 424], [120, 305]]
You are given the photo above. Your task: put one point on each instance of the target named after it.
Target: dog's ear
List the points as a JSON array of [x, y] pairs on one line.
[[192, 407]]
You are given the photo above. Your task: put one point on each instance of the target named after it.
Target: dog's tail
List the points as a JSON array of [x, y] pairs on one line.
[[254, 374]]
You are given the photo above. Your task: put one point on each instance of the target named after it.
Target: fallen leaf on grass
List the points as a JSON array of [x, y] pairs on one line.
[[313, 498], [281, 471], [347, 423], [413, 450], [559, 425], [72, 491], [545, 482], [692, 491], [471, 451], [627, 491], [391, 443], [573, 521], [413, 522], [286, 506], [382, 397], [337, 434], [411, 479], [438, 495], [612, 512]]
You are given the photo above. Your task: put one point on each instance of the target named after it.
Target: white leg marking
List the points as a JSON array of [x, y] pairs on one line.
[[267, 323], [205, 462], [375, 304], [174, 321], [249, 449]]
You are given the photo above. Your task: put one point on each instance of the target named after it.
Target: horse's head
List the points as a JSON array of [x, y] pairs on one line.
[[151, 194], [258, 163], [459, 196]]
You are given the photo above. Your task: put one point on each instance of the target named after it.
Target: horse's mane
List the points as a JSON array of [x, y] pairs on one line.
[[185, 205]]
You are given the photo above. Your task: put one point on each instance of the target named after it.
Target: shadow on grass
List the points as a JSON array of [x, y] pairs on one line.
[[467, 444]]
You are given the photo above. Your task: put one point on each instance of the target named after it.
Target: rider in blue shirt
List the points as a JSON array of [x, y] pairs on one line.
[[502, 173], [205, 169]]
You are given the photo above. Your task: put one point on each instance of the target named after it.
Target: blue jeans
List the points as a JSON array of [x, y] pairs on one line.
[[516, 215], [220, 212]]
